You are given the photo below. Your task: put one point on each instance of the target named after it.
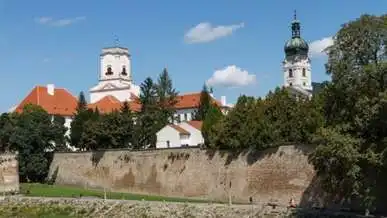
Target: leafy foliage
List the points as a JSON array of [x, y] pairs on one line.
[[258, 123], [351, 153], [33, 134], [204, 104]]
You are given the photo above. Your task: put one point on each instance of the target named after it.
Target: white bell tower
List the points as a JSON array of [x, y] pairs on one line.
[[115, 64], [115, 76], [297, 65]]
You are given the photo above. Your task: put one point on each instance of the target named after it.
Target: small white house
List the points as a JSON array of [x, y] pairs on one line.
[[183, 134]]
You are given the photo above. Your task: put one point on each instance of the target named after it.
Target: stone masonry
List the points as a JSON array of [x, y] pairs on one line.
[[271, 176]]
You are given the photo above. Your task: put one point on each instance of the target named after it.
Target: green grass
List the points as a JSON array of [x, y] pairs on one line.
[[44, 190]]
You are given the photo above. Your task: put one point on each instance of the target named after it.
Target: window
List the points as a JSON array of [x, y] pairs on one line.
[[168, 144], [124, 73], [304, 84], [109, 70], [303, 72], [185, 117], [290, 72], [290, 84]]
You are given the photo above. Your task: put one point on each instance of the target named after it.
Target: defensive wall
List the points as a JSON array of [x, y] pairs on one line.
[[273, 175], [9, 173]]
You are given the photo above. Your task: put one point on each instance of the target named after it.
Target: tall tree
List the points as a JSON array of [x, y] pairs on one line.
[[148, 119], [355, 108], [204, 104], [82, 115], [167, 97], [127, 125]]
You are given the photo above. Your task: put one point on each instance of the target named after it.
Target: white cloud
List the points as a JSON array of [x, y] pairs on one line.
[[46, 60], [205, 32], [316, 48], [231, 76], [58, 22]]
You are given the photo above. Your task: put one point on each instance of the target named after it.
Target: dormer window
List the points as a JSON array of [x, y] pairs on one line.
[[290, 72], [109, 70], [124, 73], [303, 72]]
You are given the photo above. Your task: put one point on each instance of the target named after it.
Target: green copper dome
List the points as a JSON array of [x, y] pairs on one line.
[[296, 45]]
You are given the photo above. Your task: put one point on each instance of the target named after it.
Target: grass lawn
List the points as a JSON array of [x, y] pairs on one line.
[[44, 190]]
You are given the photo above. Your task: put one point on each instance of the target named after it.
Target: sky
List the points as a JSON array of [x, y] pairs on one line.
[[236, 46]]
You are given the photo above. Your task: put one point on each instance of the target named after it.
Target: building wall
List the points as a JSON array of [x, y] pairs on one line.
[[165, 134], [182, 114], [297, 68], [196, 136], [9, 173], [273, 175]]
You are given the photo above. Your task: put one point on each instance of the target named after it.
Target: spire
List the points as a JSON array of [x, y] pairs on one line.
[[295, 15], [296, 33], [116, 41]]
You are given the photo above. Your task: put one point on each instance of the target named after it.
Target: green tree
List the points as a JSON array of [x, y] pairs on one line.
[[214, 115], [32, 137], [78, 125], [354, 138], [59, 132], [204, 104], [7, 124], [148, 119], [127, 125], [166, 97]]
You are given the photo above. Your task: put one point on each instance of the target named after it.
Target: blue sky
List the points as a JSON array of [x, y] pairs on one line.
[[46, 41]]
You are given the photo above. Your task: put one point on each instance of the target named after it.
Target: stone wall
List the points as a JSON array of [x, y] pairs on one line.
[[9, 173], [275, 175]]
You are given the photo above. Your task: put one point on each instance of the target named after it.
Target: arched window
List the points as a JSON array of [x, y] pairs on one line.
[[109, 70], [290, 84], [168, 144], [303, 72], [124, 73], [290, 72], [304, 84]]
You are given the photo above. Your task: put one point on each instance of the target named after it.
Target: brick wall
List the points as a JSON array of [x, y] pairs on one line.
[[273, 175]]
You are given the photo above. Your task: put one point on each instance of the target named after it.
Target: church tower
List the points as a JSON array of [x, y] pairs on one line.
[[115, 76], [297, 65]]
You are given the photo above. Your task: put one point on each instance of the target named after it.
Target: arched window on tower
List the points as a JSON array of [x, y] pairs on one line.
[[109, 70], [290, 84], [303, 72], [290, 72], [124, 73]]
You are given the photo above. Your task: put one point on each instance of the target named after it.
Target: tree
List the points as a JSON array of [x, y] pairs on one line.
[[127, 125], [204, 105], [59, 133], [147, 121], [214, 115], [354, 138], [167, 97], [82, 115], [32, 137], [7, 124]]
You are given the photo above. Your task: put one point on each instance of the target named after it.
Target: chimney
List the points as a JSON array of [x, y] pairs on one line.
[[50, 89], [223, 100]]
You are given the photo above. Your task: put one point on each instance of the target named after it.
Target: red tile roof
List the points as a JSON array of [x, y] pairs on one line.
[[110, 103], [190, 101], [61, 102], [179, 129], [195, 123]]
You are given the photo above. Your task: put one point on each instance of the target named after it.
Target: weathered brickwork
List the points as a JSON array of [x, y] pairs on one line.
[[273, 175], [9, 173]]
